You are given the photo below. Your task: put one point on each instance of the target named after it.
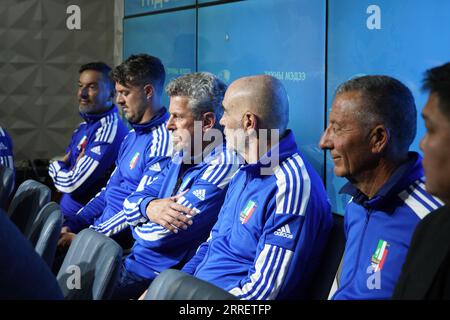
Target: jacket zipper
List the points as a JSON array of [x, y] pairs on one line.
[[214, 239], [358, 257]]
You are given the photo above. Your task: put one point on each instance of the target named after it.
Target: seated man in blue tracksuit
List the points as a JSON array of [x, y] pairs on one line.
[[276, 216], [94, 146], [139, 85], [372, 124], [6, 150], [192, 187]]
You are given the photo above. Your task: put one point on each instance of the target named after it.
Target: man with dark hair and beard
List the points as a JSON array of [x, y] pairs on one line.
[[139, 85], [94, 146]]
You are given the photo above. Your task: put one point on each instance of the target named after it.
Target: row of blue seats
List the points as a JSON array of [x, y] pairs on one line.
[[92, 264], [31, 225]]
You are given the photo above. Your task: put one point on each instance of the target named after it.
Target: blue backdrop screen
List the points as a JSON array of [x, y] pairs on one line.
[[144, 6], [287, 39], [254, 37], [400, 38], [168, 36]]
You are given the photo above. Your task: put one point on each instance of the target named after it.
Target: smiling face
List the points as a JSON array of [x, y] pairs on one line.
[[94, 94], [181, 123], [436, 153], [346, 138]]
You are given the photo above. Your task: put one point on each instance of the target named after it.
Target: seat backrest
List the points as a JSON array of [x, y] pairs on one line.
[[44, 232], [329, 264], [28, 200], [7, 184], [91, 267], [173, 284], [23, 274]]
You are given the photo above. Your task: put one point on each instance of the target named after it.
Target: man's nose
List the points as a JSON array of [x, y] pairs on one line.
[[120, 100], [170, 124], [324, 142], [82, 92]]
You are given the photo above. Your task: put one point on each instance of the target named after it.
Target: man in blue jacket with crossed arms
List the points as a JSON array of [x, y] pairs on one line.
[[191, 187], [276, 217]]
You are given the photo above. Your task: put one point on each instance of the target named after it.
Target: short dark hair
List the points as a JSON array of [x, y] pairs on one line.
[[437, 80], [101, 67], [387, 101], [141, 69]]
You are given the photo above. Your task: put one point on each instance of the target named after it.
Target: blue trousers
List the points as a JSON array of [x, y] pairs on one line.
[[130, 286]]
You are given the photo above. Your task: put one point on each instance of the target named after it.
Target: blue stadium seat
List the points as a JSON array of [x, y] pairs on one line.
[[44, 232], [29, 199], [173, 284], [6, 186], [91, 267], [176, 285], [23, 274]]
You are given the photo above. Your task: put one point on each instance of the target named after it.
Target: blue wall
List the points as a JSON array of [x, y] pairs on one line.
[[414, 36], [294, 41]]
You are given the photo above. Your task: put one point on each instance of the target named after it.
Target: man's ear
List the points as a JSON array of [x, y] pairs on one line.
[[249, 122], [149, 91], [379, 138], [208, 121]]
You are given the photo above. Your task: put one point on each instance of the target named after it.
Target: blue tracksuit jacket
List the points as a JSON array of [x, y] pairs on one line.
[[271, 229], [6, 149], [100, 136], [379, 231], [146, 146], [156, 248]]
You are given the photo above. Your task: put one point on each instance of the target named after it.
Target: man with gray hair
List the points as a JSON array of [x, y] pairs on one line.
[[371, 126], [190, 190]]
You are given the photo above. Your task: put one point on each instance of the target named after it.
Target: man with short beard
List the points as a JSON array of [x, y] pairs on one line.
[[139, 85], [94, 146]]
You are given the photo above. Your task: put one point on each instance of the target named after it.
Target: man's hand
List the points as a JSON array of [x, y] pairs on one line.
[[81, 154], [65, 239], [65, 230], [66, 158], [143, 295], [170, 214]]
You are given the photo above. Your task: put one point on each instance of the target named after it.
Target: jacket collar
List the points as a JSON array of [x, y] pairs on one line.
[[213, 155], [157, 119], [94, 117], [402, 177], [282, 150]]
